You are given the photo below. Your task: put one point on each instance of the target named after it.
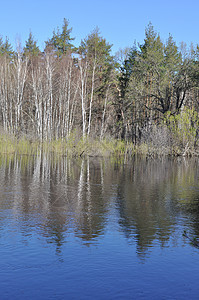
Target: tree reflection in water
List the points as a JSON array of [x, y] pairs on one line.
[[62, 199]]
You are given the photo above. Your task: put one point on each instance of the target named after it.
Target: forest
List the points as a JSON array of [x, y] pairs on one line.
[[146, 96]]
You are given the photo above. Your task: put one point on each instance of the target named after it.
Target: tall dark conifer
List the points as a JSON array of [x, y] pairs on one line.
[[31, 48], [61, 41], [6, 48]]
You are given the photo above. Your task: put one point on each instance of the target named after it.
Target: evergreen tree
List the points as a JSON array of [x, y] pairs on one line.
[[151, 54], [127, 69], [172, 75], [153, 82], [6, 48], [146, 75], [194, 68], [31, 48], [97, 52], [61, 41], [173, 58], [160, 74]]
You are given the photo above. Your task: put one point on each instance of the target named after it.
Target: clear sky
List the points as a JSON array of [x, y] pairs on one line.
[[120, 21]]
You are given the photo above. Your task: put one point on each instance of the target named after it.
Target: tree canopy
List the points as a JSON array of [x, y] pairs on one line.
[[61, 41]]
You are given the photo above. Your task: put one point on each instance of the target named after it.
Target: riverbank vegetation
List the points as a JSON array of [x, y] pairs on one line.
[[83, 100]]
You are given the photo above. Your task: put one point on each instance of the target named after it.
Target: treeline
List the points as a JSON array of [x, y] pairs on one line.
[[149, 89]]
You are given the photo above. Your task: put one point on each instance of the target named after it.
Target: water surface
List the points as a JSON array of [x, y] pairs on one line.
[[98, 229]]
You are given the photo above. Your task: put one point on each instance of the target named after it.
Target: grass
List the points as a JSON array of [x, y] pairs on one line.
[[73, 146], [10, 145], [76, 146]]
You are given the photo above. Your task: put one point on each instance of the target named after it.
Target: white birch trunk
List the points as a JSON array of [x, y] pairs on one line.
[[83, 78], [92, 94]]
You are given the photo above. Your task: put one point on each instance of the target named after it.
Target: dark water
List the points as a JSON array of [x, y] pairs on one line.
[[98, 229]]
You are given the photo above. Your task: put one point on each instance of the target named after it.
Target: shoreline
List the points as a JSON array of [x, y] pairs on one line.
[[80, 147]]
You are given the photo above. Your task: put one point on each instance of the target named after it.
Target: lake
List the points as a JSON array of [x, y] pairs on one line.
[[98, 228]]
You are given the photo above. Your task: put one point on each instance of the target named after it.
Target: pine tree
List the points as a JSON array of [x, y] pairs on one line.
[[31, 48], [173, 58], [126, 70], [159, 72], [194, 68], [61, 41], [6, 48], [97, 52]]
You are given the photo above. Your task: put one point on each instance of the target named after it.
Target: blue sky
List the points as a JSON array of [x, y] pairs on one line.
[[120, 22]]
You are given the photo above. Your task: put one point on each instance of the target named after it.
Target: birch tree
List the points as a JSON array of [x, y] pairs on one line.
[[68, 85], [48, 104], [95, 52], [5, 87], [83, 66], [38, 96]]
